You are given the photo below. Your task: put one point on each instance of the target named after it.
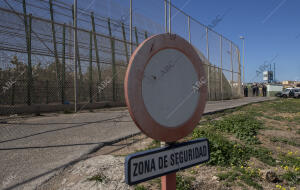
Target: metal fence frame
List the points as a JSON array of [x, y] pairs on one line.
[[221, 85]]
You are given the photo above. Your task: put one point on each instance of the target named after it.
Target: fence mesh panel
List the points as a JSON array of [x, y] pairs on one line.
[[49, 79]]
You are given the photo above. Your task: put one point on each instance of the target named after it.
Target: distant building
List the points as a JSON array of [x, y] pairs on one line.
[[289, 83]]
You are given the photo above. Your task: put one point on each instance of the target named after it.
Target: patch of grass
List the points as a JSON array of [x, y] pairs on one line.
[[99, 178], [184, 183], [140, 187], [247, 175], [227, 153], [289, 160], [249, 181], [264, 155], [291, 177], [244, 126], [222, 151], [298, 131], [284, 140], [296, 118], [229, 176], [283, 105], [242, 185]]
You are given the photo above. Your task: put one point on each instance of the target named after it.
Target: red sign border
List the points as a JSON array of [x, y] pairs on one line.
[[133, 87]]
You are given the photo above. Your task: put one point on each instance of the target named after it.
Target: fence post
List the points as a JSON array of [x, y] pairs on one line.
[[13, 94], [216, 82], [96, 46], [47, 94], [78, 57], [91, 68], [130, 26], [28, 46], [240, 77], [221, 73], [29, 63], [166, 16], [189, 27], [170, 17], [63, 65], [96, 52], [231, 69], [74, 16], [136, 36], [112, 42], [125, 43], [208, 64], [54, 46], [146, 35]]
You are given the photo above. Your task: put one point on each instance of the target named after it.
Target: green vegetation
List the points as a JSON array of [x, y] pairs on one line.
[[140, 187], [244, 126], [184, 183], [276, 106], [291, 177], [234, 139], [264, 155], [222, 151], [99, 178], [225, 152], [284, 140], [247, 175]]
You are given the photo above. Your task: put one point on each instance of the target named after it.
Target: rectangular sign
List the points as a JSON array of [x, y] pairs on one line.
[[146, 165]]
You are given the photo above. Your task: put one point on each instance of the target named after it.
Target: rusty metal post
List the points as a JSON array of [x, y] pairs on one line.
[[189, 28], [208, 65], [91, 68], [75, 54], [54, 46], [168, 182], [130, 27], [125, 43], [231, 69], [112, 43], [63, 73], [136, 36], [221, 73], [96, 47]]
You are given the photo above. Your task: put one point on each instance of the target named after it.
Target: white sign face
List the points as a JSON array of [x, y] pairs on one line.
[[167, 88], [147, 165]]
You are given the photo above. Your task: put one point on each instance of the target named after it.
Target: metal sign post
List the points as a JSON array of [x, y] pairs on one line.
[[165, 92]]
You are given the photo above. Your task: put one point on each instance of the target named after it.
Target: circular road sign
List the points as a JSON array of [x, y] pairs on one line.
[[165, 87]]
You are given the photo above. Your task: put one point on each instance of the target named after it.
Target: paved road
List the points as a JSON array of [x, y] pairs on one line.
[[33, 149]]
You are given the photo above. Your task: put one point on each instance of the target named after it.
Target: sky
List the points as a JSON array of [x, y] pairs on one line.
[[271, 29]]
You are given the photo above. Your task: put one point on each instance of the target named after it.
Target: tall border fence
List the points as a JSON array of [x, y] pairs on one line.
[[37, 54]]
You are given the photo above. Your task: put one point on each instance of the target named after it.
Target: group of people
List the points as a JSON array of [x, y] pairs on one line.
[[255, 90]]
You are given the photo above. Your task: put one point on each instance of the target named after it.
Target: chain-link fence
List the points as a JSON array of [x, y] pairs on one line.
[[37, 52]]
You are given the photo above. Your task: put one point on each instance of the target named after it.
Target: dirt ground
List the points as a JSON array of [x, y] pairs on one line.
[[279, 137]]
